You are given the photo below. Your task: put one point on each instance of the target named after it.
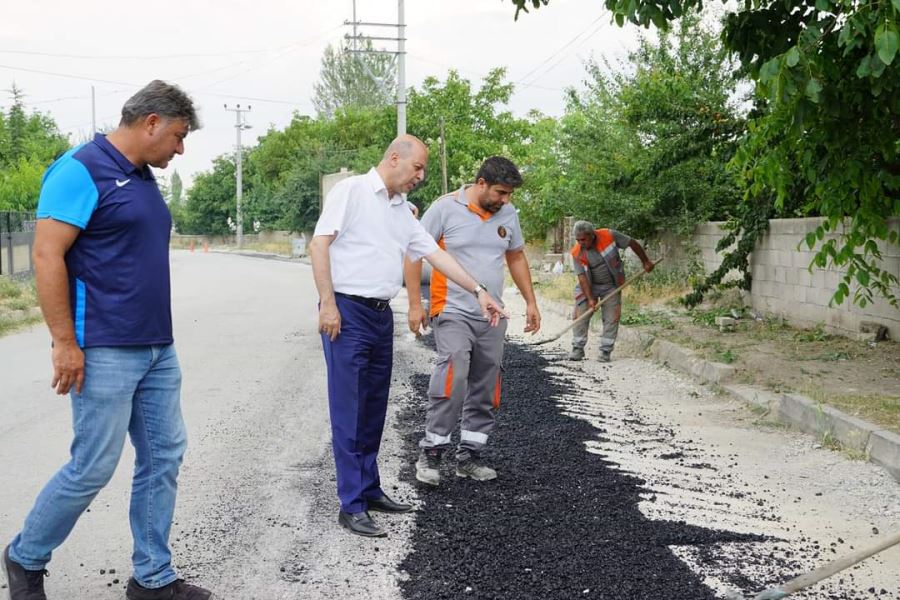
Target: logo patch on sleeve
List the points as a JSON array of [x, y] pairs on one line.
[[501, 231]]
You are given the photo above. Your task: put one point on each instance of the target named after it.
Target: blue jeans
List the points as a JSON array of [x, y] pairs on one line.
[[359, 365], [134, 390]]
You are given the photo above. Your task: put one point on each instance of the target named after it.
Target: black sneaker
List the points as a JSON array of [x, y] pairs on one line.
[[23, 584], [177, 590]]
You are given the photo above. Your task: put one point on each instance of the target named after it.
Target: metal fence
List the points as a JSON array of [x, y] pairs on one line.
[[16, 241]]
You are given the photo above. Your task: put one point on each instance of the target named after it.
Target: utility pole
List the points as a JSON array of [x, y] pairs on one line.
[[443, 159], [239, 125], [401, 69], [400, 53]]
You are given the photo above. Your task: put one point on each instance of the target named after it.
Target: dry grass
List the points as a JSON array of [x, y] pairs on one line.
[[884, 410], [283, 248], [16, 297]]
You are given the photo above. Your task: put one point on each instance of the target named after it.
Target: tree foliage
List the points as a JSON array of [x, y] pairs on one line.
[[354, 80], [476, 126], [283, 171], [645, 147], [28, 144], [830, 119]]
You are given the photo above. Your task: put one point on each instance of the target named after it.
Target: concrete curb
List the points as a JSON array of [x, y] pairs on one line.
[[878, 445]]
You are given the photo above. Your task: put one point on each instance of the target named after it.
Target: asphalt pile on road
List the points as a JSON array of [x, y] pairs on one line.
[[558, 523]]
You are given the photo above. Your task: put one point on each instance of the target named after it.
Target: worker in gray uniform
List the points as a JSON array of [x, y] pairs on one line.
[[480, 229], [599, 268]]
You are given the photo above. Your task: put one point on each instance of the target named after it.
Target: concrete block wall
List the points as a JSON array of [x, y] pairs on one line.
[[784, 286]]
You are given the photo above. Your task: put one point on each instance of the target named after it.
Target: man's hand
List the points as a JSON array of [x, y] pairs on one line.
[[418, 320], [592, 303], [329, 320], [491, 309], [68, 367], [648, 265], [532, 319]]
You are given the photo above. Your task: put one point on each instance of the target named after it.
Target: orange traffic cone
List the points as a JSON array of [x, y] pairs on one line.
[[206, 246]]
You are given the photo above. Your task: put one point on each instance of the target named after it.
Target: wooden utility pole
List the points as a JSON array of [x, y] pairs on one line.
[[443, 159]]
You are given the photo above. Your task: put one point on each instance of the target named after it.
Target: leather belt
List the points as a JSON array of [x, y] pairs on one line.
[[374, 303]]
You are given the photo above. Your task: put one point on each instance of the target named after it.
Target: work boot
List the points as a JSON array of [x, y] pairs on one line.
[[23, 584], [576, 354], [475, 468], [177, 590], [604, 356], [428, 467]]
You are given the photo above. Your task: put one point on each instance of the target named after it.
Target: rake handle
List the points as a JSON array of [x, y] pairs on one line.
[[825, 571], [591, 311]]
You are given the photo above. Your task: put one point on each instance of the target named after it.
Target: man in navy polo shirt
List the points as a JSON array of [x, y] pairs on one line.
[[101, 256]]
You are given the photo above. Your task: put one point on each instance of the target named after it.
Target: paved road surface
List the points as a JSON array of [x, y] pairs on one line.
[[256, 513]]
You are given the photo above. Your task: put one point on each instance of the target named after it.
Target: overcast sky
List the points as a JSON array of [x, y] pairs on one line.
[[267, 54]]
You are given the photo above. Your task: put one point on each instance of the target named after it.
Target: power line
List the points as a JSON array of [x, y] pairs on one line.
[[563, 47], [474, 74], [563, 57], [67, 75], [164, 56]]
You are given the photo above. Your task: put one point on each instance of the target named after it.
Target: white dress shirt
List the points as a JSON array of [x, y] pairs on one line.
[[371, 233]]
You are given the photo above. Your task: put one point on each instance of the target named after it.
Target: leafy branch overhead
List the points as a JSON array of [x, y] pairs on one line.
[[825, 130]]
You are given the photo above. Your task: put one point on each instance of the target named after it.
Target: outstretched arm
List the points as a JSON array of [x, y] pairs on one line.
[[446, 264], [521, 276]]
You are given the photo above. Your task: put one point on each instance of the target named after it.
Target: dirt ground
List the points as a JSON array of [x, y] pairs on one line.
[[860, 378]]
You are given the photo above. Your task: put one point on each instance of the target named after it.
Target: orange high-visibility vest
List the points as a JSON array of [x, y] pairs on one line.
[[605, 244]]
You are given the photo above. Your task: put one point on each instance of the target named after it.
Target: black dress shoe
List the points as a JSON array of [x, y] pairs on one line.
[[361, 524], [386, 505]]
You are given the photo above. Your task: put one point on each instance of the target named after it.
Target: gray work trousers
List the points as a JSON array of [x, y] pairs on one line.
[[465, 383], [610, 311]]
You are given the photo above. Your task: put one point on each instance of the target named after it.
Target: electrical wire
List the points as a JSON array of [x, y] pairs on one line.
[[563, 47]]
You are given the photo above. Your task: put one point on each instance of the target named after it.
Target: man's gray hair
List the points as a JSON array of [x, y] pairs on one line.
[[161, 98], [582, 227]]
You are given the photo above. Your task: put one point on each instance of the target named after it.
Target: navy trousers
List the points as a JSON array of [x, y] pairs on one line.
[[359, 365]]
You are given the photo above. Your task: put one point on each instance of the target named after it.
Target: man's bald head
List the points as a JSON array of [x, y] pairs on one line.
[[403, 146], [402, 167]]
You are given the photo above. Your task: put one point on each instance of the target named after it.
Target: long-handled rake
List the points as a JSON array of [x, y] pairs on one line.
[[823, 572], [591, 311]]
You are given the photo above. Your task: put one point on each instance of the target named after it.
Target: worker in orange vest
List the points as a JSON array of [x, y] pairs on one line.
[[600, 271]]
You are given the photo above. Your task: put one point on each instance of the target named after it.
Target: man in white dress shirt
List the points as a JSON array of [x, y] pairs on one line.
[[357, 255]]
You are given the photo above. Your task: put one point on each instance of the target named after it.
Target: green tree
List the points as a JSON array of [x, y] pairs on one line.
[[476, 126], [357, 80], [175, 188], [28, 144], [210, 201], [830, 122], [289, 164], [645, 146]]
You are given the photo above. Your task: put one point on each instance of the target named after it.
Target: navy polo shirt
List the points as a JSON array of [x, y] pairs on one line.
[[119, 264]]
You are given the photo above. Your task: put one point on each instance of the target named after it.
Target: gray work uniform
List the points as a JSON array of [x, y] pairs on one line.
[[600, 273], [466, 380]]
